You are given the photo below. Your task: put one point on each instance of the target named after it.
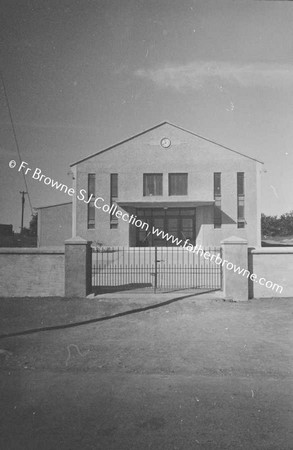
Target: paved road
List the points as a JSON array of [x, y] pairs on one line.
[[194, 374]]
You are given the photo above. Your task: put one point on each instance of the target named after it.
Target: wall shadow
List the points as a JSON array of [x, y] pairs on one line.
[[97, 290], [104, 318]]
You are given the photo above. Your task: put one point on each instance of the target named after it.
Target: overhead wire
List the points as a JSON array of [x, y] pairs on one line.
[[16, 140]]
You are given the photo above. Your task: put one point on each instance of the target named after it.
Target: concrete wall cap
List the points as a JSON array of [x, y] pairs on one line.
[[76, 240], [272, 250], [32, 250], [234, 240]]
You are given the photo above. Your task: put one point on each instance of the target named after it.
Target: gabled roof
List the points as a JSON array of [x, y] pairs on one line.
[[153, 128], [53, 206]]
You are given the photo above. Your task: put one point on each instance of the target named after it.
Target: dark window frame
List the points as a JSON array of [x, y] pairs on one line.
[[159, 184], [91, 222], [241, 200], [170, 188], [113, 198], [218, 200]]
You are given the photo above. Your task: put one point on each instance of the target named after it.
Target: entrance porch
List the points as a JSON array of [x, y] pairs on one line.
[[178, 222]]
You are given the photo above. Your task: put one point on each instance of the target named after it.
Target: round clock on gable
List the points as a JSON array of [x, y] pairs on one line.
[[165, 142]]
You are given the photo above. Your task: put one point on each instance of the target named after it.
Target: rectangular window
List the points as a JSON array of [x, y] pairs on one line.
[[217, 184], [240, 183], [91, 205], [240, 200], [152, 184], [178, 183], [113, 198], [114, 185], [218, 200]]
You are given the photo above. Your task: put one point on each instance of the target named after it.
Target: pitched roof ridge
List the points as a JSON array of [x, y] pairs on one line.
[[153, 128]]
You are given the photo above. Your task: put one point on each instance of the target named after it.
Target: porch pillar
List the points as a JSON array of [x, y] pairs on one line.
[[235, 254], [78, 267]]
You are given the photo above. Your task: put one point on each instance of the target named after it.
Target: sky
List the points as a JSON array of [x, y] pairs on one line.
[[81, 75]]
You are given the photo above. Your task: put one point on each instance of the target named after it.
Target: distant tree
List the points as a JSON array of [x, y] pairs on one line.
[[286, 224], [269, 225], [33, 227], [25, 232], [273, 225]]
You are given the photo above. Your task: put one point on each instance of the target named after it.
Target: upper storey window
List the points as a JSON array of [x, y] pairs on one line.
[[240, 200], [91, 196], [152, 184], [113, 198], [218, 200], [178, 183]]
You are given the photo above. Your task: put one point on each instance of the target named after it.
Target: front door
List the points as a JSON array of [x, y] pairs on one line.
[[172, 228], [178, 222], [188, 229], [157, 241]]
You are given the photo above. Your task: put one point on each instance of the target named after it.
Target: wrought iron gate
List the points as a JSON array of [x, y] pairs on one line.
[[157, 267]]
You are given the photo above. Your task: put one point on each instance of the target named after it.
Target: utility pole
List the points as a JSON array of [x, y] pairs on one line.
[[22, 209]]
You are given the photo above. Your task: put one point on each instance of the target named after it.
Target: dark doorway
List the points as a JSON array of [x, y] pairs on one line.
[[178, 222]]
